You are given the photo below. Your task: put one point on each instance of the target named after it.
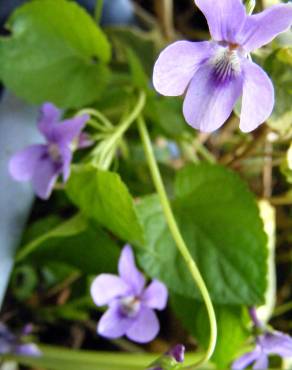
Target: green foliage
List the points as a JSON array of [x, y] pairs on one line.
[[220, 222], [75, 243], [231, 320], [102, 196], [55, 53]]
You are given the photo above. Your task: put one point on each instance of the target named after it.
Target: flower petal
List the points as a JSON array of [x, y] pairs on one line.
[[66, 131], [177, 65], [261, 363], [258, 97], [44, 177], [209, 103], [262, 28], [277, 343], [112, 324], [225, 18], [129, 272], [23, 163], [145, 328], [245, 360], [28, 349], [50, 115], [107, 287], [155, 295], [66, 154]]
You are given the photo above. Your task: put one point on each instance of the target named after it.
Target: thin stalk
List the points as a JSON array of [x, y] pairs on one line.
[[98, 10], [95, 113], [110, 145], [180, 243]]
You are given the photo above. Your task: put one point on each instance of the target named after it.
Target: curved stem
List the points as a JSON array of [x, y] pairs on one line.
[[157, 179], [110, 145], [95, 113]]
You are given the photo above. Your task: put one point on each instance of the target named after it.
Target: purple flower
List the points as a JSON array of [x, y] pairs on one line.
[[43, 163], [270, 343], [215, 74], [11, 344], [131, 304], [170, 359]]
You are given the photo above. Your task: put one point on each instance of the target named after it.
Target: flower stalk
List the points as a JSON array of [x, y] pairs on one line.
[[180, 243]]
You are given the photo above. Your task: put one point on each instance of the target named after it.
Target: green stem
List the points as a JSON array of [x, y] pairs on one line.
[[281, 310], [95, 113], [98, 10], [111, 144], [157, 179]]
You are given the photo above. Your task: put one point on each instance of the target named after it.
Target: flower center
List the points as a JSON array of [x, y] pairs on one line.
[[54, 152], [130, 306], [226, 63]]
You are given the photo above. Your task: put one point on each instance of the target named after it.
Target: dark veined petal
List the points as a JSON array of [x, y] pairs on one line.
[[177, 65], [23, 163], [145, 327], [262, 28], [155, 295], [225, 18], [112, 324], [209, 101], [258, 97], [129, 272], [106, 287]]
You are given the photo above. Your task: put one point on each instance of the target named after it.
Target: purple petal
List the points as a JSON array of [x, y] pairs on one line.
[[209, 103], [225, 18], [23, 163], [277, 343], [129, 272], [247, 359], [262, 28], [50, 115], [155, 295], [258, 97], [145, 327], [28, 349], [44, 177], [112, 324], [262, 362], [178, 353], [107, 287], [66, 154], [177, 65], [66, 131]]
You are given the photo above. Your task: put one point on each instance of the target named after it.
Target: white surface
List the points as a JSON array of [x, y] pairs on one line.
[[17, 130]]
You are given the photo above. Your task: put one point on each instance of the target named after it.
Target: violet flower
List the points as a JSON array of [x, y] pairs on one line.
[[131, 304], [43, 163], [171, 359], [270, 343], [267, 343], [12, 344], [214, 74]]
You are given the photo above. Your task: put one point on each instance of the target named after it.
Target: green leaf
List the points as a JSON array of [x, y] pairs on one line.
[[102, 196], [232, 327], [77, 244], [220, 222], [56, 53]]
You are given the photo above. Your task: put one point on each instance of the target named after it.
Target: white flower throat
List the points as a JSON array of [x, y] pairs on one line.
[[130, 306], [226, 62], [54, 152]]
